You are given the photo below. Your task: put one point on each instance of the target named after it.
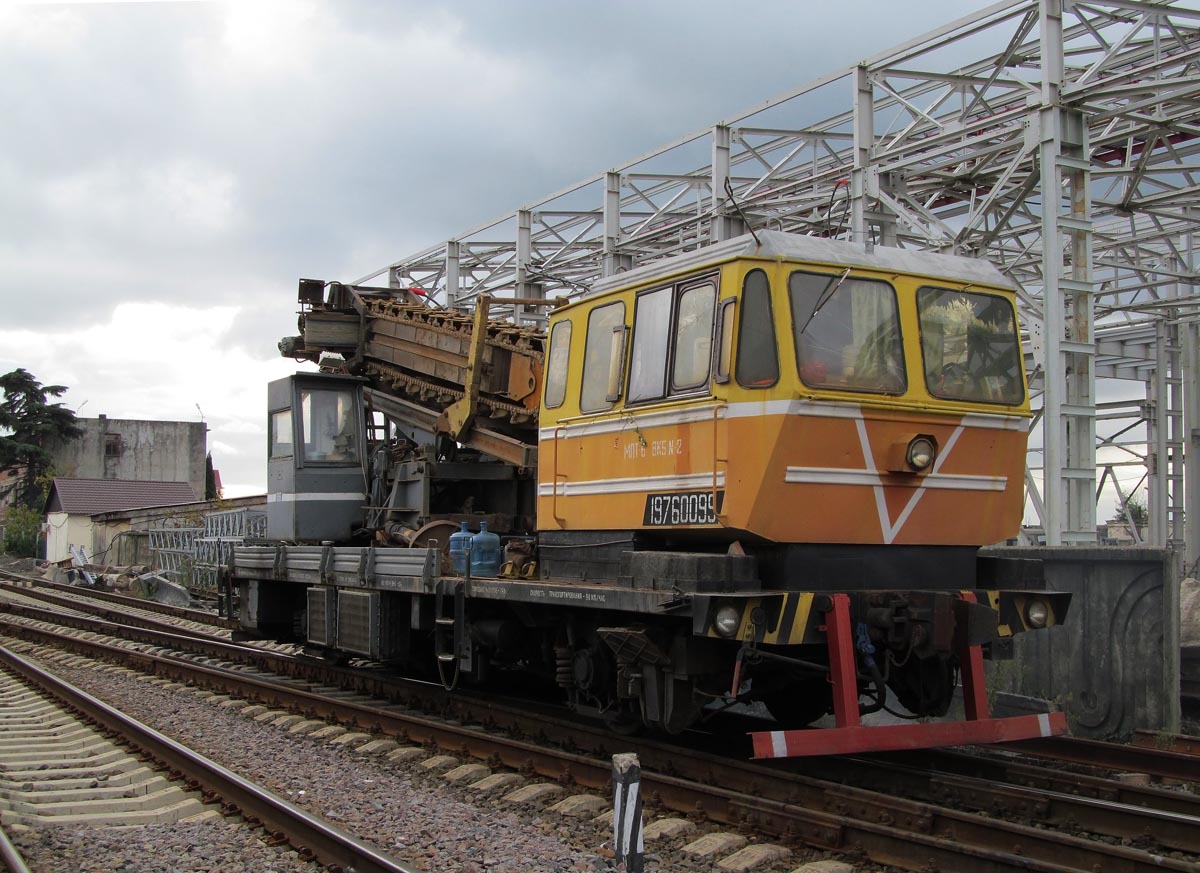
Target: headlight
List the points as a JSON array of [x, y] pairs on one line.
[[921, 452], [1036, 613], [727, 621]]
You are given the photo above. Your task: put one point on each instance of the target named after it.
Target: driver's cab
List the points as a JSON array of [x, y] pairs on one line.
[[316, 475]]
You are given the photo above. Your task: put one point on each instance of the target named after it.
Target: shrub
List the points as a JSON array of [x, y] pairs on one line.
[[21, 530]]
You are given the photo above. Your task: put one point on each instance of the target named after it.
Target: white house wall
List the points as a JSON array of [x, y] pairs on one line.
[[67, 530]]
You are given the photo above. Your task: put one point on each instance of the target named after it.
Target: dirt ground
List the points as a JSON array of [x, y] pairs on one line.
[[17, 565]]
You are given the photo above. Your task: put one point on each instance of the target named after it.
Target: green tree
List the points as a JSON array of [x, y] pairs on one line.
[[211, 491], [1138, 513], [29, 421]]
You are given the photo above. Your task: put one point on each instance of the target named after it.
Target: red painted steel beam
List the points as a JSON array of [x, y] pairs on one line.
[[843, 671], [888, 738]]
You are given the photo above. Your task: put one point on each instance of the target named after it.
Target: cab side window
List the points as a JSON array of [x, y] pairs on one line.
[[605, 332], [693, 338], [651, 341], [672, 340], [757, 354], [556, 364]]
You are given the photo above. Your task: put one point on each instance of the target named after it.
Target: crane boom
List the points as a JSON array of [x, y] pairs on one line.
[[464, 375]]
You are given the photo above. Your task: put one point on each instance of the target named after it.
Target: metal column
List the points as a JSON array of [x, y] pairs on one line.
[[1069, 401]]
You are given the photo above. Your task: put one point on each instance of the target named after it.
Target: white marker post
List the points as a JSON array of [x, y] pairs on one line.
[[627, 812]]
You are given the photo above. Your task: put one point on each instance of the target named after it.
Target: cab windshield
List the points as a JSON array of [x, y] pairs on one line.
[[970, 346], [847, 333], [327, 425]]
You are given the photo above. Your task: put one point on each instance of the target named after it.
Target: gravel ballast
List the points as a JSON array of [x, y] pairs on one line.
[[407, 811], [410, 815]]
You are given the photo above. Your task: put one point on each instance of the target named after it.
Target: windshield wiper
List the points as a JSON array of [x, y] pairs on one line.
[[826, 293]]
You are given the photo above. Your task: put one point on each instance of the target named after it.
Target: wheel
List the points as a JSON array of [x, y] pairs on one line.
[[624, 718], [438, 530], [800, 703], [925, 686]]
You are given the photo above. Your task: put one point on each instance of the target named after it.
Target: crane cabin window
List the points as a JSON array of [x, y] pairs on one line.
[[327, 425], [757, 354], [970, 346], [281, 434], [556, 364], [604, 336], [847, 333]]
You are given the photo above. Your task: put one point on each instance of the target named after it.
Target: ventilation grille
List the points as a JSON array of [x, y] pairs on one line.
[[358, 622], [322, 613]]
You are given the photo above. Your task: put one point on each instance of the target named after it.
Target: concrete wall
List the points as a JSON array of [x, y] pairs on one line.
[[67, 530], [122, 448], [1114, 665]]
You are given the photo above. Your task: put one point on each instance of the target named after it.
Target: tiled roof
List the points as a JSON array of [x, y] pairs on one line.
[[89, 496]]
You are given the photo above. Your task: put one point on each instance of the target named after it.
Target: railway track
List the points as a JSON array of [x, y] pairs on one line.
[[953, 810], [68, 758]]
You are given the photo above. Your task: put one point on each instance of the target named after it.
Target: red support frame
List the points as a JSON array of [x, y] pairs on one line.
[[851, 737], [843, 671], [974, 684]]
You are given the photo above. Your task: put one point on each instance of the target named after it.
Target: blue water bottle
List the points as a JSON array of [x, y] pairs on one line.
[[485, 552], [460, 547]]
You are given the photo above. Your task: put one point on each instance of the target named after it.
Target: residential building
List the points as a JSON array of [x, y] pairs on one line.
[[71, 504], [134, 450]]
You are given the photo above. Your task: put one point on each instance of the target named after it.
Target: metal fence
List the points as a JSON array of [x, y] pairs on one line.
[[192, 556]]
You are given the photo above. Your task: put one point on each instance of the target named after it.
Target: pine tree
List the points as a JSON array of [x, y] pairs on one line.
[[28, 423]]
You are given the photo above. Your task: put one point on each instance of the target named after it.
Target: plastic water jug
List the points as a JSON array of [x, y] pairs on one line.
[[485, 552], [460, 547]]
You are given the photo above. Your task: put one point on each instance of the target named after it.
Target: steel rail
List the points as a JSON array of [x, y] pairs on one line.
[[824, 814], [110, 614], [197, 615], [1113, 756], [1173, 829], [305, 832], [995, 768], [10, 857], [181, 638], [1181, 744]]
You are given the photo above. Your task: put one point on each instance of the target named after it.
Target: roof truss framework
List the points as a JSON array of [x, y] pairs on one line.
[[1059, 138]]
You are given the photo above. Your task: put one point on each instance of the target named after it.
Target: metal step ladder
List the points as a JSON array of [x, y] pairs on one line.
[[450, 630], [80, 558]]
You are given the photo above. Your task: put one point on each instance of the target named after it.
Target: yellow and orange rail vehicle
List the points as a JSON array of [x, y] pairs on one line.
[[764, 470]]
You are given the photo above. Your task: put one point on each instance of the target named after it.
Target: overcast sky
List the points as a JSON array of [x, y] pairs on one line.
[[168, 170]]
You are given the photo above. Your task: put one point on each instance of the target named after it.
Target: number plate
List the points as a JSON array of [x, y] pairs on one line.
[[682, 507]]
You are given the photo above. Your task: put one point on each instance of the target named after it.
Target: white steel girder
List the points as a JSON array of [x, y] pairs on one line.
[[1059, 138]]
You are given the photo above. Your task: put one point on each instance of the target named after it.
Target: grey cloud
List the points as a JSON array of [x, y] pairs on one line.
[[362, 142], [152, 153]]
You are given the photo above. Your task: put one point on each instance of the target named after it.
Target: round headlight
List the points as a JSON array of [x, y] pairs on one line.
[[727, 621], [1036, 613], [921, 452]]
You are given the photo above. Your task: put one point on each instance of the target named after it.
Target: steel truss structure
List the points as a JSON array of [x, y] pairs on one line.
[[1059, 138]]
